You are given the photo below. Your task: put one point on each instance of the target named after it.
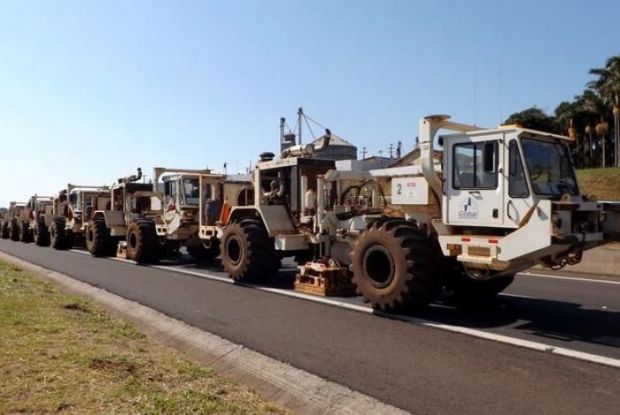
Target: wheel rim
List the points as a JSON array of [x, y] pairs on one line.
[[379, 266], [233, 250]]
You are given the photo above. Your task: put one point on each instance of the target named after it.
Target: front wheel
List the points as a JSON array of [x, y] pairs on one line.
[[203, 253], [57, 231], [41, 234], [469, 291]]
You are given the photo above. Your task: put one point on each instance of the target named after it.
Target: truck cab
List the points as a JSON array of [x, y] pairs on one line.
[[510, 199]]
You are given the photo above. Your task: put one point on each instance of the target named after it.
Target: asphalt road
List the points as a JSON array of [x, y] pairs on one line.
[[417, 368]]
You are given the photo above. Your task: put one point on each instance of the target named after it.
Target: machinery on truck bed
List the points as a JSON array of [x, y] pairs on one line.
[[12, 223], [145, 221], [73, 208], [131, 212], [500, 201]]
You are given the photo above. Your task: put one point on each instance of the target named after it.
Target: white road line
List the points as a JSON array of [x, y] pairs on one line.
[[559, 277], [499, 338], [517, 296]]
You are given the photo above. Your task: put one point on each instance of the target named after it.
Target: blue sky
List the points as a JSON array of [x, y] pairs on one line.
[[89, 90]]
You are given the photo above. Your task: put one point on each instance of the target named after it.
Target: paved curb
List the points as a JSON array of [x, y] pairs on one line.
[[292, 388]]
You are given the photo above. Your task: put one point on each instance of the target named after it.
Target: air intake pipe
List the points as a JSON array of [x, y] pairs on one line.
[[132, 178], [307, 150]]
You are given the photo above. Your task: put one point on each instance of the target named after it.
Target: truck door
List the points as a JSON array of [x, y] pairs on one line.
[[472, 185], [519, 200]]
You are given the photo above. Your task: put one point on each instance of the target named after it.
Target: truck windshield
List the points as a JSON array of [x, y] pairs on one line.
[[192, 191], [550, 166]]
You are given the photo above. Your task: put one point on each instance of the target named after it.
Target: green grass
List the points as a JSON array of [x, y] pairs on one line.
[[603, 183], [62, 354]]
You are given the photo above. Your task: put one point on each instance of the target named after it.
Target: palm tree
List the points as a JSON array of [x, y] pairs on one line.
[[580, 116], [608, 86]]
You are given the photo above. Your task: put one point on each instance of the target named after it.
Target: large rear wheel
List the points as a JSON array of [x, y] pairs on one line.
[[142, 243], [248, 253], [98, 240], [393, 268], [202, 252]]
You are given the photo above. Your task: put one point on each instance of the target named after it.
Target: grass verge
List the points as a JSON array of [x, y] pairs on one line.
[[604, 183], [63, 354]]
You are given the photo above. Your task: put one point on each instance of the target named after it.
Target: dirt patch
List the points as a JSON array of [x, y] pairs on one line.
[[76, 307], [115, 365]]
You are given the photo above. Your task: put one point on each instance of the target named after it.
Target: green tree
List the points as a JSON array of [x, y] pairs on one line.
[[607, 84], [535, 119]]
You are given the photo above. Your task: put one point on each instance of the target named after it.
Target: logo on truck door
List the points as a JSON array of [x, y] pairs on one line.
[[468, 209]]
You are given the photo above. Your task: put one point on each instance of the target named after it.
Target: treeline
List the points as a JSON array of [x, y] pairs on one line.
[[591, 119]]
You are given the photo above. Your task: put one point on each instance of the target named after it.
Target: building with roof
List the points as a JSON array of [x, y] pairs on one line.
[[338, 149]]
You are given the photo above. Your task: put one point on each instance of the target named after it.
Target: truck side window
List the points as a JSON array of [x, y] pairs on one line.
[[517, 186], [475, 165]]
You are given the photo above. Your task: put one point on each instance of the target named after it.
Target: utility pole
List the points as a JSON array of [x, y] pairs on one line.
[[391, 149], [364, 151]]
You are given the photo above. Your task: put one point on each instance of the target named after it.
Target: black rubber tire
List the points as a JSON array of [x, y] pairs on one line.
[[41, 233], [98, 240], [202, 253], [468, 291], [392, 266], [5, 230], [142, 244], [248, 254], [14, 231], [58, 234], [25, 233]]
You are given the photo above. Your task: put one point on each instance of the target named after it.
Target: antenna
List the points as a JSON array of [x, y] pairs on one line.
[[300, 114], [475, 94], [501, 92]]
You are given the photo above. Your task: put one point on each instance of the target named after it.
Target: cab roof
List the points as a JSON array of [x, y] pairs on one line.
[[513, 128]]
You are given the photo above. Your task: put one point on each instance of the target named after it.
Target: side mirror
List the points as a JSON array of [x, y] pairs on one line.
[[489, 154]]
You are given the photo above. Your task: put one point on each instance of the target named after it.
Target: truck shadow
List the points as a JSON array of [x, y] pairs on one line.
[[550, 319]]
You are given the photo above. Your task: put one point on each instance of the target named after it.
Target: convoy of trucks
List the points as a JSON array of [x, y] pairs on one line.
[[464, 220]]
